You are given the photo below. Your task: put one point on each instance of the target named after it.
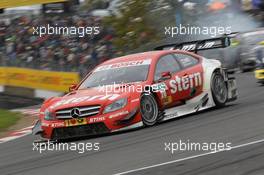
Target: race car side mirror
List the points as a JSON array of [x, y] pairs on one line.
[[165, 76], [72, 87]]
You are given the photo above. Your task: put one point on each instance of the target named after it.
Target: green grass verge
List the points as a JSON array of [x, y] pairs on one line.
[[8, 119]]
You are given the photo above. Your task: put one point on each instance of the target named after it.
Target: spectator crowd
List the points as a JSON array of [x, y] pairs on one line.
[[19, 47]]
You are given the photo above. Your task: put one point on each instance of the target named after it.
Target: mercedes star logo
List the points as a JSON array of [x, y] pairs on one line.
[[75, 113]]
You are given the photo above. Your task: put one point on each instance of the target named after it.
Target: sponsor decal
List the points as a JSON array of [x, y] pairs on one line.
[[118, 114], [97, 119], [171, 116], [55, 125], [123, 64], [186, 82], [85, 99], [195, 46], [167, 100], [45, 124], [135, 100]]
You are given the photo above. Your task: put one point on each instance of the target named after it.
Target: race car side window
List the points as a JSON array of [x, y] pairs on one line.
[[186, 60], [166, 63]]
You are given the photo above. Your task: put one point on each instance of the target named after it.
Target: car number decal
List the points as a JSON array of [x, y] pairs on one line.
[[75, 122]]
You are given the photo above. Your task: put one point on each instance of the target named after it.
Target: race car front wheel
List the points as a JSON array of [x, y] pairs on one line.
[[219, 89], [149, 109]]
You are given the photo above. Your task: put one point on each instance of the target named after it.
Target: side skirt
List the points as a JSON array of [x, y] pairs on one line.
[[199, 103]]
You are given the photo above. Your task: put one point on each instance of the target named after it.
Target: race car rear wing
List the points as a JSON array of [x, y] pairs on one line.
[[195, 46]]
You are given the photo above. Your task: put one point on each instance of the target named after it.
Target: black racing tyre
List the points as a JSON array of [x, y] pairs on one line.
[[149, 109], [219, 89]]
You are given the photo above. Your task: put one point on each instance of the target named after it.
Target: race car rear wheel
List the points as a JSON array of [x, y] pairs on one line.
[[149, 109], [219, 89]]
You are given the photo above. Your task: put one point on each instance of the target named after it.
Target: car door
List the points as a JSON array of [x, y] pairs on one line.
[[165, 64], [187, 83]]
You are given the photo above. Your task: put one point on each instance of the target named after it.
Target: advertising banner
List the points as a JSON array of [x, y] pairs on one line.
[[37, 79], [17, 3]]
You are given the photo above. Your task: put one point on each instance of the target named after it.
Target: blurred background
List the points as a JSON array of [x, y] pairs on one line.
[[40, 67]]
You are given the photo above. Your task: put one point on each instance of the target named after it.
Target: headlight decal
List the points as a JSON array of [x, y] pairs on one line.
[[118, 104], [49, 115]]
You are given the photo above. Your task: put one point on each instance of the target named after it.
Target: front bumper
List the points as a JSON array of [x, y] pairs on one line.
[[79, 131], [96, 125]]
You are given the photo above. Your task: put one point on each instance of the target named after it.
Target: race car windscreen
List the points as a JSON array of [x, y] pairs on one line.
[[116, 76]]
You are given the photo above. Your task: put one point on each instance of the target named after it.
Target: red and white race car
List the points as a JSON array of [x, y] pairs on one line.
[[139, 90]]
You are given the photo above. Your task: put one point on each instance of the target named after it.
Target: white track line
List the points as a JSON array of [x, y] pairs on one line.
[[17, 134], [188, 158]]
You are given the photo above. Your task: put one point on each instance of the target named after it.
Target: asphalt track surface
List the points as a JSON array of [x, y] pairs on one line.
[[13, 102], [241, 122]]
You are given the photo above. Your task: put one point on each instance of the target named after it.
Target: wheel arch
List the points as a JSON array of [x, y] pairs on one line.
[[209, 68], [149, 90]]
